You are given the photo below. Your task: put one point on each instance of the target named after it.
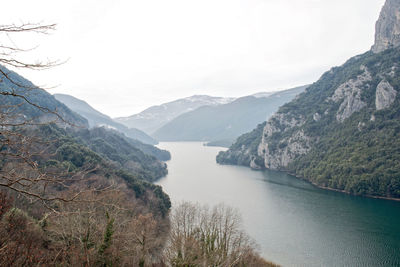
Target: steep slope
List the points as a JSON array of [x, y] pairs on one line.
[[343, 132], [122, 152], [101, 151], [387, 29], [155, 117], [39, 150], [96, 118], [225, 122], [16, 94], [244, 150]]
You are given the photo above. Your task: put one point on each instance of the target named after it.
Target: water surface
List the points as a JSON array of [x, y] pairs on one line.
[[295, 223]]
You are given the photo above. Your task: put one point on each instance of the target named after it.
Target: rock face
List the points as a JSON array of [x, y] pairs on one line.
[[285, 152], [294, 142], [350, 93], [385, 95], [244, 151], [279, 154], [387, 29]]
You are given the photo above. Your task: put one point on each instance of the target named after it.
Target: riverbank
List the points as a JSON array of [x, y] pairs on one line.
[[315, 184], [340, 191]]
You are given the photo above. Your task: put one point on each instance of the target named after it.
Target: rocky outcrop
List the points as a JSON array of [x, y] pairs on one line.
[[350, 95], [281, 154], [254, 164], [385, 95], [316, 117], [387, 29], [286, 151], [244, 150]]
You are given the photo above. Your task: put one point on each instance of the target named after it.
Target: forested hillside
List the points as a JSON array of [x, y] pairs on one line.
[[20, 97], [244, 150], [98, 119], [62, 203], [122, 152], [342, 132]]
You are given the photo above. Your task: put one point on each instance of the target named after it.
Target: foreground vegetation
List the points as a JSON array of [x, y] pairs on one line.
[[113, 229]]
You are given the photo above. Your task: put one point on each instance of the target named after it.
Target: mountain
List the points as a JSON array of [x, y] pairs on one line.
[[387, 29], [39, 134], [122, 152], [263, 94], [343, 132], [96, 118], [25, 105], [20, 97], [225, 122], [155, 117]]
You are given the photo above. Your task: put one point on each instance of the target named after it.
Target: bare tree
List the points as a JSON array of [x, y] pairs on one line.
[[106, 229], [9, 51], [201, 236]]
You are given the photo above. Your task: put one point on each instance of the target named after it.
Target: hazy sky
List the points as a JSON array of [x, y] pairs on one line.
[[124, 56]]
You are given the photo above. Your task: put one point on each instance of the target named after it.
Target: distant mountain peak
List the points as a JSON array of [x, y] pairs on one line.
[[387, 29], [153, 118], [227, 121], [211, 100], [263, 94]]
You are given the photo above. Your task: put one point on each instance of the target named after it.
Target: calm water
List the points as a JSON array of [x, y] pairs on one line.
[[294, 223]]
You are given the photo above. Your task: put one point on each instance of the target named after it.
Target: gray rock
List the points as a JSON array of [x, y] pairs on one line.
[[350, 93], [253, 164], [387, 29], [385, 95], [316, 117], [280, 122], [360, 126], [288, 149]]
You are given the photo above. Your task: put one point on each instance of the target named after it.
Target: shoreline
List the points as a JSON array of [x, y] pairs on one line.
[[324, 187], [347, 193], [338, 190]]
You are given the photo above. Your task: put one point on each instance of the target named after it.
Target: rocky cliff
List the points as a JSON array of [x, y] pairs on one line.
[[387, 30], [343, 132]]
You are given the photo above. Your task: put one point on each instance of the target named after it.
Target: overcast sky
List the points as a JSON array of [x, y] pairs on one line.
[[124, 56]]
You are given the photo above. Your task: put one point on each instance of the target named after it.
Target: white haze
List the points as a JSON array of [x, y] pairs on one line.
[[124, 56]]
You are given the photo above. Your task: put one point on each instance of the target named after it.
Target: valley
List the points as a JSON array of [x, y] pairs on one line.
[[183, 141]]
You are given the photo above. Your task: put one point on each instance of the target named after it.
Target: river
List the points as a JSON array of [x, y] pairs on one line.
[[294, 223]]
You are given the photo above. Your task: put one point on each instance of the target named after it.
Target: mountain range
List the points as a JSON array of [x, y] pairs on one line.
[[343, 132], [153, 118], [225, 122], [98, 119]]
